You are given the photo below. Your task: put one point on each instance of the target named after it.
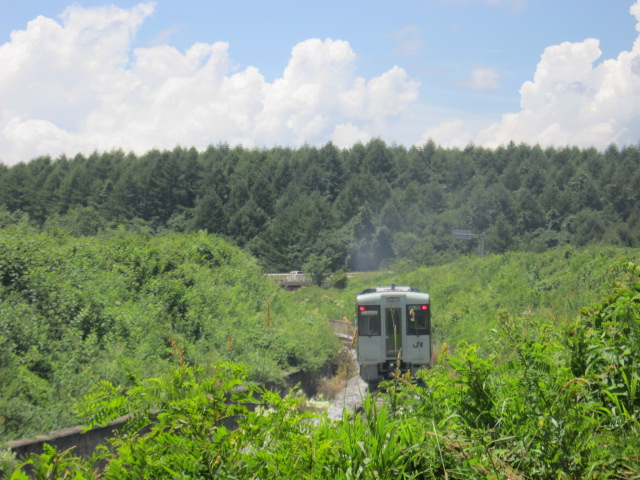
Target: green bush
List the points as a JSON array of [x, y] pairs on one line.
[[339, 280], [76, 311]]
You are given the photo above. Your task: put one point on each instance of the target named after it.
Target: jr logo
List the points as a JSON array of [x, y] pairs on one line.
[[418, 345]]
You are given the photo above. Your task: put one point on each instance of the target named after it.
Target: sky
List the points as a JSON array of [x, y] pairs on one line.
[[135, 75]]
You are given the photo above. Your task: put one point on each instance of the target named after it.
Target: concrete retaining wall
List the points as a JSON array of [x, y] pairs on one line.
[[84, 444]]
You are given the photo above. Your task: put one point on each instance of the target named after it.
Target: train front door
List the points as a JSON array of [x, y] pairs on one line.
[[393, 331]]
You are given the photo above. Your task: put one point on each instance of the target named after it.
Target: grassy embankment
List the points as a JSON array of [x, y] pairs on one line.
[[123, 307]]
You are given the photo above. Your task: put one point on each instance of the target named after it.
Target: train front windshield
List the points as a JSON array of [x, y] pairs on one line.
[[369, 324], [418, 320]]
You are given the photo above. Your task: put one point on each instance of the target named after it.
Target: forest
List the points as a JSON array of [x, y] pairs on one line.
[[342, 209]]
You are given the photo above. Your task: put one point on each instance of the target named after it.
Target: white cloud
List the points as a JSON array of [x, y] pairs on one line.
[[482, 79], [346, 135], [77, 87], [571, 100], [447, 134]]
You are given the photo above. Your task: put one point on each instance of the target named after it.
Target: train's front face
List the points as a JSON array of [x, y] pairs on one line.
[[394, 331]]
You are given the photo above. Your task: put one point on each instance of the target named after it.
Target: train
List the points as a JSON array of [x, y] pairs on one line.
[[394, 331]]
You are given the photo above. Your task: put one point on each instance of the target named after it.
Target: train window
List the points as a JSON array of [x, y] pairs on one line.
[[418, 320], [369, 320]]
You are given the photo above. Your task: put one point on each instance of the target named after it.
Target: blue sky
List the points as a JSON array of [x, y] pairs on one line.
[[94, 75]]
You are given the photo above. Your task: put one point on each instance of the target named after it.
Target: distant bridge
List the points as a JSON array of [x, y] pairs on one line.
[[290, 281], [293, 281]]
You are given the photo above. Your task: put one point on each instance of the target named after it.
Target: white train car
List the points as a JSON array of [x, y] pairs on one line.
[[394, 324]]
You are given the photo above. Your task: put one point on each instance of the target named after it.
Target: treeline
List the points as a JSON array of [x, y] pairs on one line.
[[353, 208]]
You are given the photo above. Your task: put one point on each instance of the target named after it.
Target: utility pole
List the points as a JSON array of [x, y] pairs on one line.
[[468, 235]]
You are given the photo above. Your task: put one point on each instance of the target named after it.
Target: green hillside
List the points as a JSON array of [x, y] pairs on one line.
[[125, 306]]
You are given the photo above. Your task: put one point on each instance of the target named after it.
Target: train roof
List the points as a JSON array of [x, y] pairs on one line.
[[392, 288]]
